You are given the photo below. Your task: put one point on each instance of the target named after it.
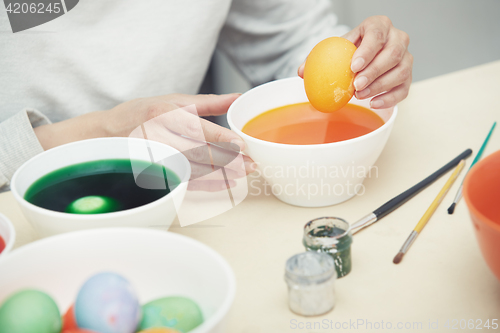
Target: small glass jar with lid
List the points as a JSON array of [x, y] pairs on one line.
[[331, 235], [310, 277]]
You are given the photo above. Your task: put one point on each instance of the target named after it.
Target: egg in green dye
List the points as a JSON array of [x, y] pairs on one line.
[[179, 313], [30, 311], [93, 204]]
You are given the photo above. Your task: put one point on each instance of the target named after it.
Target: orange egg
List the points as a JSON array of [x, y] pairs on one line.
[[328, 78]]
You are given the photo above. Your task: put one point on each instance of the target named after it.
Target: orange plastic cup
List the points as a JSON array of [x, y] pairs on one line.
[[482, 194]]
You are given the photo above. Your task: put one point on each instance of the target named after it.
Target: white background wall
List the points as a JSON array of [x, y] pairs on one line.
[[446, 35]]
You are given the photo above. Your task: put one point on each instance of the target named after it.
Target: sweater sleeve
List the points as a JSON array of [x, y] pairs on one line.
[[18, 142], [269, 39]]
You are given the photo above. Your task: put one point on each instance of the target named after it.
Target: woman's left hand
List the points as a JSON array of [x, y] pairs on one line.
[[382, 63]]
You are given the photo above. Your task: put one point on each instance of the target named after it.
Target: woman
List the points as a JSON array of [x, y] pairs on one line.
[[93, 71]]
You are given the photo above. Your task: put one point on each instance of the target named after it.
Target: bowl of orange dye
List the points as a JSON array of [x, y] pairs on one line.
[[310, 158], [481, 193]]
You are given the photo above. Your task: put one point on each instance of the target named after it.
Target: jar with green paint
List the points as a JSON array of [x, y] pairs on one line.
[[331, 235]]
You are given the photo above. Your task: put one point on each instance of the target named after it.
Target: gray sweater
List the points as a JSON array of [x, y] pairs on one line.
[[103, 53]]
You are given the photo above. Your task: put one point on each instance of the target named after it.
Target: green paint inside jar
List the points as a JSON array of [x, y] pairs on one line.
[[330, 235]]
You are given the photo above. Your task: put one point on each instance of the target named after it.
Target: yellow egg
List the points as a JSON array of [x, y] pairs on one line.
[[328, 78], [159, 330]]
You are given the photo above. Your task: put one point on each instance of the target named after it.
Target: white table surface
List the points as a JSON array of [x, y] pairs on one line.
[[443, 277]]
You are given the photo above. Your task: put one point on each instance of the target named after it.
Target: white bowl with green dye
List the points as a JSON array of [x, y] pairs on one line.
[[158, 214], [157, 264]]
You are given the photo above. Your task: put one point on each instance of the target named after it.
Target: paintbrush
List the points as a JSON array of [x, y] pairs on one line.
[[458, 196], [400, 199], [428, 213]]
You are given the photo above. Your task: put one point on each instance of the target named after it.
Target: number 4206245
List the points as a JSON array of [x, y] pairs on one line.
[[477, 324], [39, 8]]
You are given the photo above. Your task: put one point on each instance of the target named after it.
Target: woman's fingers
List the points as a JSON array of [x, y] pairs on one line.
[[300, 71], [185, 123], [197, 151], [373, 33], [205, 153], [188, 133], [382, 62], [389, 57], [354, 36], [396, 76], [223, 152], [218, 134], [216, 158], [392, 97]]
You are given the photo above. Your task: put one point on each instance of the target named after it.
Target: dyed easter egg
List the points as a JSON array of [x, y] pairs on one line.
[[2, 244], [107, 303], [160, 330], [78, 330], [30, 311], [328, 78], [68, 320], [93, 204], [179, 313]]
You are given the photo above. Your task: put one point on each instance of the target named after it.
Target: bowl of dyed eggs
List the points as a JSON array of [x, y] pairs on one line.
[[309, 158], [7, 235], [481, 192], [115, 280], [106, 182]]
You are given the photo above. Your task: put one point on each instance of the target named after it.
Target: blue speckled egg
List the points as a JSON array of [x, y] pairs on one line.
[[107, 303]]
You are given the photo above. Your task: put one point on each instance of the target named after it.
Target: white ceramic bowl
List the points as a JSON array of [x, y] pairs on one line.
[[308, 175], [159, 213], [8, 233], [157, 263]]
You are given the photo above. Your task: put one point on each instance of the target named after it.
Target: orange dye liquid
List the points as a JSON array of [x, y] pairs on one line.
[[301, 124]]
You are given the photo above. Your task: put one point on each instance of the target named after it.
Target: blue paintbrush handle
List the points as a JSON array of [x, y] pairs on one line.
[[481, 150]]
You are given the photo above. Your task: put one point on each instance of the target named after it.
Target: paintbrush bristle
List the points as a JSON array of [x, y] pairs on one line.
[[452, 208], [398, 258]]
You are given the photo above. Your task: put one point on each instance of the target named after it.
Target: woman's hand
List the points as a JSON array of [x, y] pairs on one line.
[[171, 119], [382, 63]]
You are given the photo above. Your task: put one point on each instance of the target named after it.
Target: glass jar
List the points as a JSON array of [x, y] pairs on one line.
[[331, 235], [310, 277]]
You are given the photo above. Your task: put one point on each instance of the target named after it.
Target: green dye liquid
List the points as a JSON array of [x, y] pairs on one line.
[[111, 179], [341, 253]]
